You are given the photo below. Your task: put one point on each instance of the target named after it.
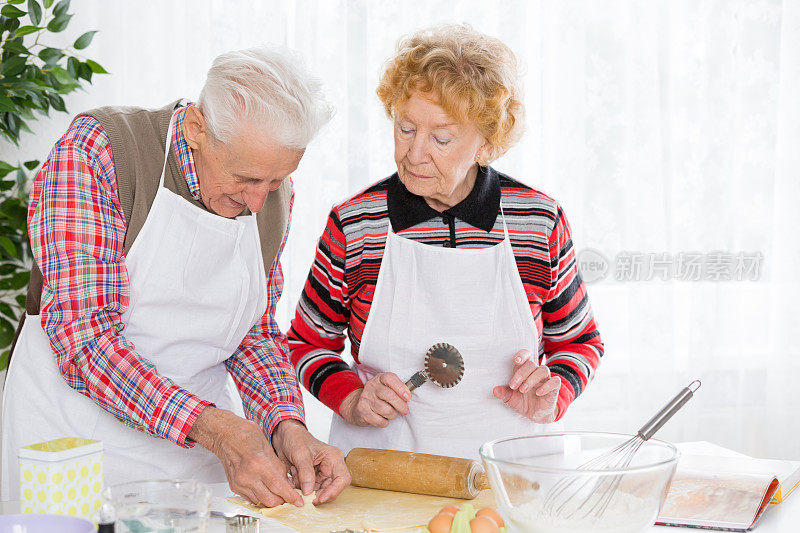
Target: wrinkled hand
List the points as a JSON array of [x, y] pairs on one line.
[[312, 464], [532, 391], [383, 398], [253, 469]]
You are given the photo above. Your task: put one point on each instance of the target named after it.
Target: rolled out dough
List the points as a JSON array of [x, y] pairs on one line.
[[378, 511], [308, 506]]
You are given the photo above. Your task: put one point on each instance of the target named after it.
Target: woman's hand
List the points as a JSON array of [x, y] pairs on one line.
[[532, 391], [383, 398]]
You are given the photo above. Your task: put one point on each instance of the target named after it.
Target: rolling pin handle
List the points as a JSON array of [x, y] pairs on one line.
[[481, 481]]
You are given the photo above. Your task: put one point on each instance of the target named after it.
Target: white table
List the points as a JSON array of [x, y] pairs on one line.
[[781, 518]]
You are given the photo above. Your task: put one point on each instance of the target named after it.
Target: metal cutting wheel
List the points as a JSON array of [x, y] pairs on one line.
[[444, 366]]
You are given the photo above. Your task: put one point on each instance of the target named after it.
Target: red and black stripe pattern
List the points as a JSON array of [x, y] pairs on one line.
[[338, 294]]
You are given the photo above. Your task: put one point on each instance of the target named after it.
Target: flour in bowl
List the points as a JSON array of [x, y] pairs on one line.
[[625, 514]]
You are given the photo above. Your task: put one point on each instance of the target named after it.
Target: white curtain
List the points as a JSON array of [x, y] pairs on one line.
[[667, 129]]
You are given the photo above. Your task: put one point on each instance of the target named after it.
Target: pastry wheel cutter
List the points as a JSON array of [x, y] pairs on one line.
[[444, 366]]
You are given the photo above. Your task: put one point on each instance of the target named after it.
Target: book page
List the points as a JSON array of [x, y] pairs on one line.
[[698, 497], [787, 472]]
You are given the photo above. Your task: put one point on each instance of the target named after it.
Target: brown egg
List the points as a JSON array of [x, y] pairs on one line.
[[452, 509], [482, 524], [491, 511], [441, 523]]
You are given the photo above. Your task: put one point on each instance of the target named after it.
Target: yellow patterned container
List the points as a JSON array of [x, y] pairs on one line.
[[62, 476]]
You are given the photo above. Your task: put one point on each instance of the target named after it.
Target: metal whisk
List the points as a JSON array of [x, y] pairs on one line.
[[560, 500]]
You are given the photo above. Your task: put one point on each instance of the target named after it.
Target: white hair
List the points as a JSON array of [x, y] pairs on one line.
[[267, 88]]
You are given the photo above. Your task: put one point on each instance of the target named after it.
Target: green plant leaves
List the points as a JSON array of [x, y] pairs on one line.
[[5, 168], [96, 68], [6, 104], [85, 72], [51, 56], [61, 8], [6, 336], [57, 102], [25, 30], [12, 11], [59, 23], [13, 66], [35, 12], [16, 47], [84, 40], [62, 76], [8, 245]]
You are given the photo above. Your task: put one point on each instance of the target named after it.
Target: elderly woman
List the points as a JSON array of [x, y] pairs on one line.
[[446, 249]]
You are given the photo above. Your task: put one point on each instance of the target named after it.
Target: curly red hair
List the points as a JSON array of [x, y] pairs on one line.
[[472, 76]]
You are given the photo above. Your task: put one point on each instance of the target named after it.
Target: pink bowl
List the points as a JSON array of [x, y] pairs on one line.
[[44, 523]]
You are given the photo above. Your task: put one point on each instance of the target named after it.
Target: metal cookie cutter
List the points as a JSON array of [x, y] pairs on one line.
[[241, 524], [444, 366]]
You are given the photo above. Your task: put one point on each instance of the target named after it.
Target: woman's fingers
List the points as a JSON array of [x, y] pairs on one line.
[[502, 393], [395, 384], [395, 403], [384, 399], [532, 390], [524, 366], [539, 375], [549, 386]]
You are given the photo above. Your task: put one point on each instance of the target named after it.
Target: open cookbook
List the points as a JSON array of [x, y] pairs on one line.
[[715, 488]]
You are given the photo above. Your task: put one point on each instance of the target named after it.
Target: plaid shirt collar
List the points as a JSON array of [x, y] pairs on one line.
[[184, 153]]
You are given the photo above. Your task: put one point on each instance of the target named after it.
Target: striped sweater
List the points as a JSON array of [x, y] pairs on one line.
[[338, 293]]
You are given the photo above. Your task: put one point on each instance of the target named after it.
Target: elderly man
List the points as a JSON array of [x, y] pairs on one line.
[[158, 234]]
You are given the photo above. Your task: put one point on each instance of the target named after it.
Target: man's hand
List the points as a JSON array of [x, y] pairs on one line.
[[532, 391], [252, 468], [383, 398], [313, 464]]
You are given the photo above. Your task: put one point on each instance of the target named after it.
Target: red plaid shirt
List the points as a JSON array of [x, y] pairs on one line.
[[77, 230]]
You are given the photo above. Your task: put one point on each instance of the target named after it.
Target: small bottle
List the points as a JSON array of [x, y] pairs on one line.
[[106, 517]]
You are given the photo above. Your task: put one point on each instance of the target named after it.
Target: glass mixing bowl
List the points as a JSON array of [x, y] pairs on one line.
[[542, 484], [174, 506]]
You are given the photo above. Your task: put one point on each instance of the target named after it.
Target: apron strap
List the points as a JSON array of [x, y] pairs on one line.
[[503, 215], [166, 150]]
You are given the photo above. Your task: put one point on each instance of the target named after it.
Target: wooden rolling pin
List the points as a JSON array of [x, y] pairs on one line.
[[418, 473]]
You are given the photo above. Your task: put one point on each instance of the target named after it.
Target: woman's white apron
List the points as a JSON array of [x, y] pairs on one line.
[[471, 298]]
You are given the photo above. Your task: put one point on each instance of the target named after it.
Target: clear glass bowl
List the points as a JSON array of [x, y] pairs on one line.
[[176, 506], [44, 523], [541, 483]]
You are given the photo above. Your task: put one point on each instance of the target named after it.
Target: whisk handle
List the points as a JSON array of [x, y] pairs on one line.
[[655, 423]]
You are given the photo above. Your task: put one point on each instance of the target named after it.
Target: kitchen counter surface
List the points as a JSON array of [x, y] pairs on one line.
[[777, 518], [780, 518]]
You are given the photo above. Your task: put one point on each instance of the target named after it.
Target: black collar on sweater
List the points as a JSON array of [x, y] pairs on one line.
[[479, 208]]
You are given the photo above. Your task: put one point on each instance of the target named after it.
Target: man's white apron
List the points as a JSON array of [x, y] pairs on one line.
[[197, 286], [471, 298]]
